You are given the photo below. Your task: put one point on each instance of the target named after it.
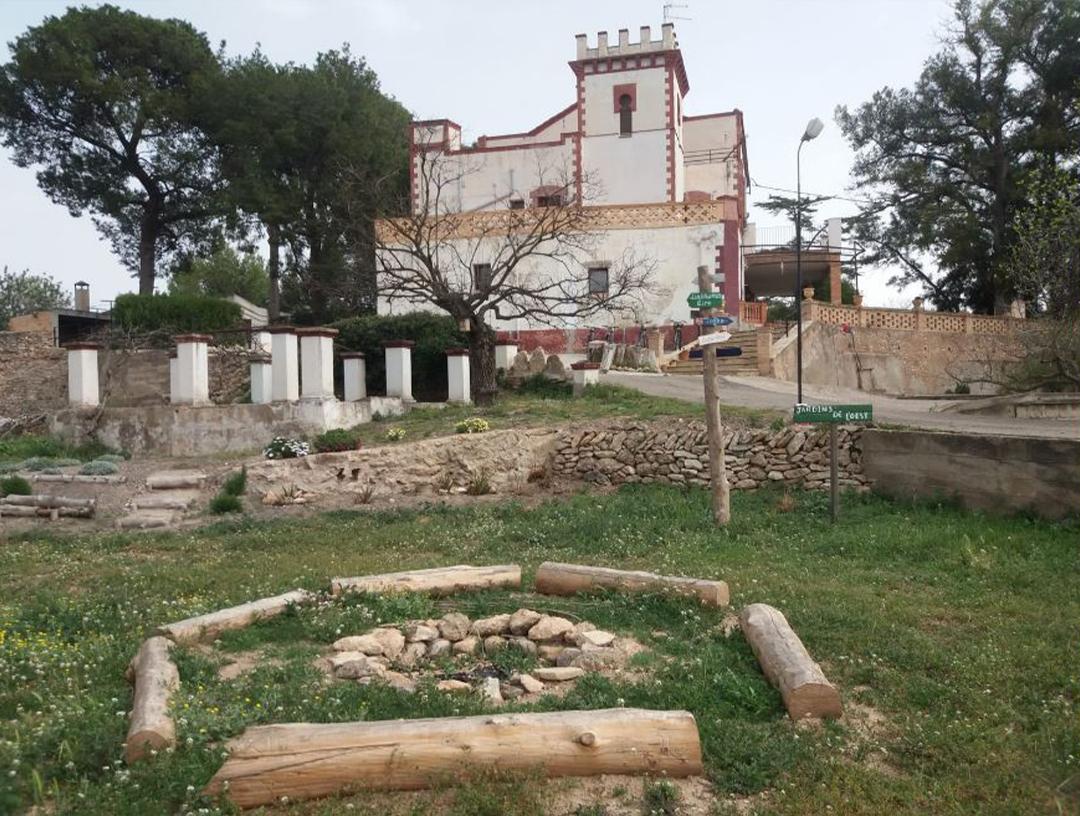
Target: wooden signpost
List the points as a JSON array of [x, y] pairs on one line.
[[834, 415], [707, 300]]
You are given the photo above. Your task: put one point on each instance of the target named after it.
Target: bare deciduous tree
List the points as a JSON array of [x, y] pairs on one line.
[[537, 263]]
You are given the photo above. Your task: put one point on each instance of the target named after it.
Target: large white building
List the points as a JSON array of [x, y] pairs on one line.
[[660, 184]]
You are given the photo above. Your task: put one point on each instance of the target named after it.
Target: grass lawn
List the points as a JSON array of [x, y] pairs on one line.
[[540, 401], [959, 631]]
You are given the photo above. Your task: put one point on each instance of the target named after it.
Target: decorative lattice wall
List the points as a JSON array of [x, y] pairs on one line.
[[909, 319]]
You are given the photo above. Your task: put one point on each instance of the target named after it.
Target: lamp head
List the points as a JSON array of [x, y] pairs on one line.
[[813, 129]]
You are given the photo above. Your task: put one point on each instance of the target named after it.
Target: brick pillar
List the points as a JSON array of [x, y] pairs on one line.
[[505, 350], [192, 370], [399, 369], [457, 372], [763, 338], [585, 374], [285, 360], [262, 379], [355, 375], [317, 363], [835, 283], [82, 360]]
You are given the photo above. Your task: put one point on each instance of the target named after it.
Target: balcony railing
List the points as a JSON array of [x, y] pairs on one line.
[[753, 312]]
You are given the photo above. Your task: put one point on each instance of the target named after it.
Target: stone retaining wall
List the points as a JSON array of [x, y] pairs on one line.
[[676, 452], [33, 374]]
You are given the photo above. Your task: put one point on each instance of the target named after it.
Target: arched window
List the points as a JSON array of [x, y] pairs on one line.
[[626, 124]]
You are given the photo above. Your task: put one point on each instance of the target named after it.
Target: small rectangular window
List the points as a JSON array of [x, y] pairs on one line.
[[517, 204], [598, 280], [554, 200], [481, 275]]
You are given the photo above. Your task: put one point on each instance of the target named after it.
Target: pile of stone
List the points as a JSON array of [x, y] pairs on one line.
[[396, 654], [677, 452], [528, 364]]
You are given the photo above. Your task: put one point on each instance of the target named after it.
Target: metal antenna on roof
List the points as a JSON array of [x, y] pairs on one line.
[[668, 16]]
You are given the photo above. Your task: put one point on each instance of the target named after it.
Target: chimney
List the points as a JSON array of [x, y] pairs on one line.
[[645, 36], [82, 296]]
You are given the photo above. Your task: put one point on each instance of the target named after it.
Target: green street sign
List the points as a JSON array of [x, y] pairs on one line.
[[705, 300], [834, 414]]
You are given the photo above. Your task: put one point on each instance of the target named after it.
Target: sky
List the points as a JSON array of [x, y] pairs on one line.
[[500, 66]]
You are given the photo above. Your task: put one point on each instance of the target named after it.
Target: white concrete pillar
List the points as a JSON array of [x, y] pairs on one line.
[[399, 369], [83, 374], [505, 350], [585, 374], [260, 342], [192, 370], [262, 379], [457, 375], [317, 363], [285, 362], [355, 375]]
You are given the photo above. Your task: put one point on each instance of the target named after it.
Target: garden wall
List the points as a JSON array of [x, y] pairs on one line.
[[677, 452], [33, 374], [995, 473]]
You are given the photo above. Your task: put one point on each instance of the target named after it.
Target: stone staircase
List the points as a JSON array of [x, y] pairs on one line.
[[745, 364], [169, 494]]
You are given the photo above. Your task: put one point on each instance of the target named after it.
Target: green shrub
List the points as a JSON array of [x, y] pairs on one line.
[[174, 313], [224, 503], [36, 446], [36, 463], [98, 468], [115, 458], [338, 439], [395, 434], [236, 484], [9, 467], [432, 333], [539, 385], [472, 425], [281, 447], [15, 486]]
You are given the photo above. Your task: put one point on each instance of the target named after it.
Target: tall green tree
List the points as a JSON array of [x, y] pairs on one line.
[[102, 101], [944, 163], [223, 273], [25, 292], [294, 142]]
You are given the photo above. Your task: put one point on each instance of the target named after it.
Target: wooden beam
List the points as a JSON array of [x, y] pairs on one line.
[[567, 579], [17, 510], [42, 500], [787, 664], [440, 580], [155, 677], [302, 760], [210, 625]]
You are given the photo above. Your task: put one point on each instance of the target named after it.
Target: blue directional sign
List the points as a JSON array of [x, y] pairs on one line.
[[717, 321]]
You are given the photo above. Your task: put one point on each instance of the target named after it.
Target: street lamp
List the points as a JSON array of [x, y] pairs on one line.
[[813, 130]]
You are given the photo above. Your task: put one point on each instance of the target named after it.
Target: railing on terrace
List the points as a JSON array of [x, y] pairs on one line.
[[753, 312], [914, 319], [782, 238]]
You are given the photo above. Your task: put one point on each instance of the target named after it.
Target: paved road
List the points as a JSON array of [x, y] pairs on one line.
[[763, 392]]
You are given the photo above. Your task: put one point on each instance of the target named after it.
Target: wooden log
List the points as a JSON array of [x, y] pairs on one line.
[[440, 580], [567, 579], [42, 500], [155, 677], [210, 625], [302, 760], [75, 477], [17, 510], [787, 664]]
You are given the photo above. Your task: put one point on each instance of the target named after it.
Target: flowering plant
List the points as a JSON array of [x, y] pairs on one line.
[[395, 434], [472, 425], [281, 447]]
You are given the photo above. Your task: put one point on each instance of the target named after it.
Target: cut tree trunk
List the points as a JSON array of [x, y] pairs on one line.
[[302, 761], [155, 677], [440, 580], [235, 617], [567, 579], [787, 664], [18, 510], [41, 500]]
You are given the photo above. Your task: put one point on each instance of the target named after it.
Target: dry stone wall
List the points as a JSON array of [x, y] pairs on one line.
[[33, 374], [677, 452]]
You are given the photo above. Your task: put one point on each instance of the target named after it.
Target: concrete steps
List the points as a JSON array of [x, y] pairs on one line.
[[746, 363], [170, 493]]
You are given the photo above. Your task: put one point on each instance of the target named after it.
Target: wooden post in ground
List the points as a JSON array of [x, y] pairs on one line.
[[721, 491]]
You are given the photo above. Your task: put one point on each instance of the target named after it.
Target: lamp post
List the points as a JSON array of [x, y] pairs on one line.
[[813, 130]]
